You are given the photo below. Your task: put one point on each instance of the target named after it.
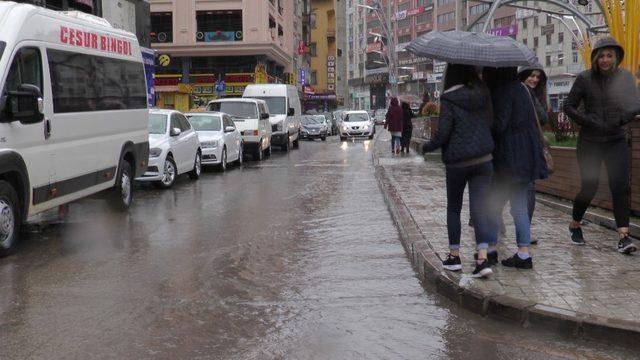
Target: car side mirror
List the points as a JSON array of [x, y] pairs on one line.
[[25, 105], [264, 116], [229, 129], [291, 112], [175, 132]]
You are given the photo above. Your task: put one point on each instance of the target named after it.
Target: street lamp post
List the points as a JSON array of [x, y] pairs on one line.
[[385, 20]]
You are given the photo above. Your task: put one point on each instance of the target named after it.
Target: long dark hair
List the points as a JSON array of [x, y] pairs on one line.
[[457, 74], [496, 77], [540, 91]]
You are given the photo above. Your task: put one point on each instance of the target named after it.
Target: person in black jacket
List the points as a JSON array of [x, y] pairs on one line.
[[610, 99], [407, 127], [465, 138], [536, 80], [518, 159]]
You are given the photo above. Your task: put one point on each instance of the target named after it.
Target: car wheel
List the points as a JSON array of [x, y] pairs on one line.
[[122, 196], [9, 218], [197, 167], [285, 146], [223, 160], [169, 174], [324, 138], [258, 155], [296, 142], [371, 136], [240, 156], [267, 152]]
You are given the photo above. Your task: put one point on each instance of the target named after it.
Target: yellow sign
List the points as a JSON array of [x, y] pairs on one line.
[[164, 60], [260, 76]]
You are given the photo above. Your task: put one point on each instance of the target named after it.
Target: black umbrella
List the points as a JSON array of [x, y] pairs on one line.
[[472, 48]]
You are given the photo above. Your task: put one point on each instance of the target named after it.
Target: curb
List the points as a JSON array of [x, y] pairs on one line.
[[428, 267]]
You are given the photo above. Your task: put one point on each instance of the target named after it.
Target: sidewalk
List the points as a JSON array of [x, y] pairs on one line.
[[590, 291]]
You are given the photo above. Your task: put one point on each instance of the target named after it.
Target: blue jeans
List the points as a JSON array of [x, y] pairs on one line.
[[517, 193], [479, 179]]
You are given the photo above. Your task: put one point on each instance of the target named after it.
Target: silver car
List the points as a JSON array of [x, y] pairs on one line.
[[220, 140]]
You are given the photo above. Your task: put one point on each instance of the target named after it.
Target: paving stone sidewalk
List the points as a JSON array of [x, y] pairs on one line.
[[593, 284]]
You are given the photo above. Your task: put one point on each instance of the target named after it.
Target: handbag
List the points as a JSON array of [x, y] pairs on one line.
[[546, 148]]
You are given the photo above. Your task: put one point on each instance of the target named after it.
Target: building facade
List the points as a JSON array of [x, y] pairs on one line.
[[320, 93], [208, 48], [88, 6]]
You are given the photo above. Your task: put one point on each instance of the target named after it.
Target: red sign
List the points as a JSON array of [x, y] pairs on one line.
[[302, 48], [166, 81], [80, 38], [415, 11], [203, 79], [239, 78]]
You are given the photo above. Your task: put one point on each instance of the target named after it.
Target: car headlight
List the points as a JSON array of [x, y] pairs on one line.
[[155, 152], [366, 127], [345, 128], [209, 144]]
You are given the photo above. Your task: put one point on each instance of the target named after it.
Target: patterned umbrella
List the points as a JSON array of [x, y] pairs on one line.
[[472, 48]]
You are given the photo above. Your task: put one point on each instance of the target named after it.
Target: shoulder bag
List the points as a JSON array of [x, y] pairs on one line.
[[546, 148]]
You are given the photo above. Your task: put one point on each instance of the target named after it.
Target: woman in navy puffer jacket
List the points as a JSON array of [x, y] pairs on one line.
[[518, 158], [464, 134]]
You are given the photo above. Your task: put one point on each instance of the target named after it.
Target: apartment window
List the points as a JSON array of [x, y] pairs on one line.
[[505, 21], [404, 39], [560, 59], [446, 17], [478, 9], [548, 19], [424, 2], [161, 27], [404, 6], [423, 18], [373, 24], [575, 57], [404, 23], [548, 60], [560, 37], [524, 41], [524, 23], [313, 77], [477, 27], [548, 36], [224, 25], [535, 22], [312, 20], [444, 2], [312, 50], [535, 42]]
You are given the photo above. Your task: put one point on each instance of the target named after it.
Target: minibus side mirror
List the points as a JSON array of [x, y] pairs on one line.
[[175, 131], [291, 112], [25, 105]]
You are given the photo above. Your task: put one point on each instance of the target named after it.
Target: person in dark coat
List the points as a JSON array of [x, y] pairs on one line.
[[611, 100], [518, 158], [536, 80], [394, 124], [464, 134], [407, 127]]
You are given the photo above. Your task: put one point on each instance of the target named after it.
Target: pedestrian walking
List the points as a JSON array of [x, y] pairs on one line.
[[610, 99], [394, 124], [407, 127], [536, 80], [464, 134], [518, 160]]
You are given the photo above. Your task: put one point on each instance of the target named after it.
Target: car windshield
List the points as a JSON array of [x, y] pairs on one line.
[[276, 105], [237, 110], [157, 123], [356, 117], [205, 122], [310, 120], [321, 119]]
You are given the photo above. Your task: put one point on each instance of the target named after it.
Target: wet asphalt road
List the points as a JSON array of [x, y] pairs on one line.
[[293, 258]]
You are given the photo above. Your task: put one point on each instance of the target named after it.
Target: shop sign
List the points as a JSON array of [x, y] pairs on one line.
[[524, 13], [414, 60], [331, 70], [202, 89], [166, 81], [504, 30], [560, 86], [239, 78], [303, 77], [377, 79], [373, 47], [418, 75], [321, 96], [376, 71], [439, 66], [202, 79], [261, 76], [434, 78], [546, 29]]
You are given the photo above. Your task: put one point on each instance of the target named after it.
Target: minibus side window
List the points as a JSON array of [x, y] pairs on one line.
[[26, 68]]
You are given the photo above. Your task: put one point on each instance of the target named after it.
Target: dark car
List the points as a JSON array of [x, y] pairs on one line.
[[313, 127]]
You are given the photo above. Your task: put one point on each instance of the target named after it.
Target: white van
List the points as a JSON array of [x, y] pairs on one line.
[[284, 111], [73, 112], [251, 117]]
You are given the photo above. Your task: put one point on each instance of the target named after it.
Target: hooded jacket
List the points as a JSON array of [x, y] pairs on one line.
[[464, 130], [394, 116], [610, 99]]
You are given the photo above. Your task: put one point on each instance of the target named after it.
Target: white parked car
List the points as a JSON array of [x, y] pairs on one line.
[[356, 123], [251, 117], [220, 140], [174, 148]]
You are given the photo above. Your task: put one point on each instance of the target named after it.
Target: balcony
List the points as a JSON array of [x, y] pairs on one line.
[[331, 33]]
